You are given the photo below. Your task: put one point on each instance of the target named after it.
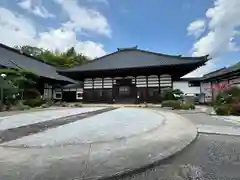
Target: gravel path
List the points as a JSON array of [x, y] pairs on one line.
[[19, 132], [23, 119], [218, 156], [111, 126]]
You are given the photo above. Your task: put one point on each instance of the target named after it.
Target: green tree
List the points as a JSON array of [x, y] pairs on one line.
[[71, 52], [73, 58], [65, 59], [17, 81]]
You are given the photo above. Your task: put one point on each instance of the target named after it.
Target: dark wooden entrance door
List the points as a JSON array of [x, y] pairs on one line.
[[125, 91]]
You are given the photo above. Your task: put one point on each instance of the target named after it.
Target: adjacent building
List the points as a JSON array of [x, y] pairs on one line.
[[131, 75], [50, 83], [216, 81]]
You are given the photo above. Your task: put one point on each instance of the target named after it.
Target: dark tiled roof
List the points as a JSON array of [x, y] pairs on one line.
[[215, 72], [12, 58], [135, 58], [222, 71]]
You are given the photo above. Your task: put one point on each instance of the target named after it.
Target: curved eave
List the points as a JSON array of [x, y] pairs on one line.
[[152, 59], [197, 63], [176, 71]]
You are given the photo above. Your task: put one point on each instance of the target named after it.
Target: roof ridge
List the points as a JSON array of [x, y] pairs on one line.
[[168, 55]]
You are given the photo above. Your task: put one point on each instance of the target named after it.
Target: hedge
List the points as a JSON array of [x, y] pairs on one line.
[[34, 102], [235, 109], [178, 105], [187, 106], [172, 103], [228, 102], [222, 110]]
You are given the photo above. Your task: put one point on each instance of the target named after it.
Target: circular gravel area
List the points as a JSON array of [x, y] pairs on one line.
[[110, 126], [24, 119]]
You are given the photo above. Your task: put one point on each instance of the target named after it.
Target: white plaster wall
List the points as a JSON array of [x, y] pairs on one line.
[[183, 86]]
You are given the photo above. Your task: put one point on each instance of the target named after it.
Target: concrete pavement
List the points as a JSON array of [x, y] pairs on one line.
[[114, 153], [213, 125], [221, 130], [214, 152], [216, 155], [232, 119]]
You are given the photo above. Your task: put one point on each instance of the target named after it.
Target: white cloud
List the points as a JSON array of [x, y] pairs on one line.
[[91, 49], [84, 19], [18, 30], [99, 1], [35, 7], [223, 21], [15, 29], [232, 46], [62, 39], [196, 28]]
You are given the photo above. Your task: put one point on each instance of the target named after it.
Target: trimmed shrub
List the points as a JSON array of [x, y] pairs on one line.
[[31, 94], [64, 104], [228, 96], [228, 102], [223, 110], [233, 91], [172, 94], [58, 103], [21, 107], [24, 107], [49, 102], [235, 109], [34, 102], [172, 103], [45, 106], [187, 106], [78, 105], [222, 98]]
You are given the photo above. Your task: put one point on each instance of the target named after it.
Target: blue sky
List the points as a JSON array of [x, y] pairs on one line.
[[97, 27]]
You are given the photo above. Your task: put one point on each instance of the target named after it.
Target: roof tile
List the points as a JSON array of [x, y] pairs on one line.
[[11, 58], [134, 58]]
